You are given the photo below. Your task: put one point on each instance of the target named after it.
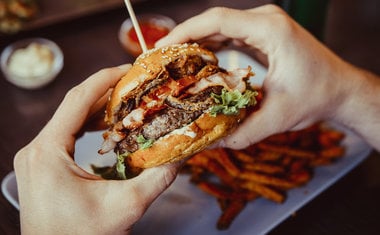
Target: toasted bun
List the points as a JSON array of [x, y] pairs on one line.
[[179, 145], [147, 67]]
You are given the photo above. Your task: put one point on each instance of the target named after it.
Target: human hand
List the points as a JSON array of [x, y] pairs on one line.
[[305, 82], [58, 197]]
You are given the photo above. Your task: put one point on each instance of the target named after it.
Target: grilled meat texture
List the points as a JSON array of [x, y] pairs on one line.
[[160, 125], [200, 101], [185, 66]]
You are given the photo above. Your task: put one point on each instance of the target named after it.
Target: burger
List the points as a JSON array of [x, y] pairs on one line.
[[173, 102]]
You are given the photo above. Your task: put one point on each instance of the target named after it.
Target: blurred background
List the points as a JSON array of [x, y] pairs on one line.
[[351, 27]]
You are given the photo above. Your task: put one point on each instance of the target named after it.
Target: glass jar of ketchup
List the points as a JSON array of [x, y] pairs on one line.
[[151, 33], [153, 27]]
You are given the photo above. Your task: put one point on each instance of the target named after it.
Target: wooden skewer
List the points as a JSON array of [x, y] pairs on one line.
[[136, 25]]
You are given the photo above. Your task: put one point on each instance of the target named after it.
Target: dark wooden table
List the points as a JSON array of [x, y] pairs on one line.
[[350, 206]]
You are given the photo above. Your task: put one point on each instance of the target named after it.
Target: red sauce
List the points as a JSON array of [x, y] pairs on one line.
[[150, 32]]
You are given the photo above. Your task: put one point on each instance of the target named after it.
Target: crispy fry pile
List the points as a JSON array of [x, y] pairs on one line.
[[266, 169]]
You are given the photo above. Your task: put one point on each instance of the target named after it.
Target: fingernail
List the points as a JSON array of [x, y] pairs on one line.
[[222, 143], [218, 144], [125, 67], [161, 42]]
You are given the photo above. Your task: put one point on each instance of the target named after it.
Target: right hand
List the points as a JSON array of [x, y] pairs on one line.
[[305, 82]]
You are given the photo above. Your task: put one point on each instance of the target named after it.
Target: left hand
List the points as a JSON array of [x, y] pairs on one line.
[[58, 197]]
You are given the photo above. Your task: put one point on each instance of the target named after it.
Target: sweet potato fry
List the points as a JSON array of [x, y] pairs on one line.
[[223, 203], [263, 168], [199, 160], [287, 150], [222, 192], [268, 156], [267, 180], [330, 137], [319, 161], [242, 156], [264, 191], [233, 209], [215, 190], [332, 152], [196, 173], [223, 158], [218, 170], [300, 177], [266, 169]]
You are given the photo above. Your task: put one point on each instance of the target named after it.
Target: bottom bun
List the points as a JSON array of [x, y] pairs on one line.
[[185, 142]]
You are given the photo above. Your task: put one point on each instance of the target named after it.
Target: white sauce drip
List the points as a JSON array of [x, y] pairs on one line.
[[186, 130]]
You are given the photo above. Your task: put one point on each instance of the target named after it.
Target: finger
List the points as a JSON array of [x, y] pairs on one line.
[[95, 120], [214, 43], [130, 199], [266, 9], [248, 26], [142, 190], [79, 101], [100, 104], [182, 32], [273, 117]]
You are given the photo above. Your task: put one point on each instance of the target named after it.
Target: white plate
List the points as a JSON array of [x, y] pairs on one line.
[[185, 210]]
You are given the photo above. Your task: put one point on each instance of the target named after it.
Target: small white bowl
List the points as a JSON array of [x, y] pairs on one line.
[[133, 46], [32, 81]]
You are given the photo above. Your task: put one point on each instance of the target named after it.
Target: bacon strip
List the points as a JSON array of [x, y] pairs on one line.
[[233, 80]]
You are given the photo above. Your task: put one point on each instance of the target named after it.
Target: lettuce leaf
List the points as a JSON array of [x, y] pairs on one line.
[[144, 143], [230, 102], [120, 166], [106, 172]]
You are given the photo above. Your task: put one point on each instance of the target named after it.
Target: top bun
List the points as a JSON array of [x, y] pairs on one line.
[[147, 67]]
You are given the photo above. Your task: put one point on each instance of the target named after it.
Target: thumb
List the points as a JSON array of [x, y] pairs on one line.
[[129, 199], [153, 181]]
